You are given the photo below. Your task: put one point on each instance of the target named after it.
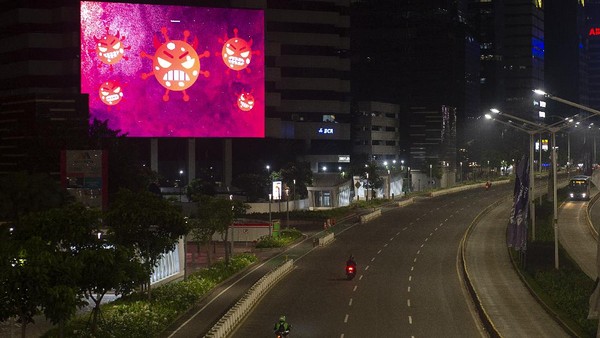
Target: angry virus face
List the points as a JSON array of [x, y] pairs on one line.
[[176, 64], [110, 48], [245, 101], [110, 93], [237, 52]]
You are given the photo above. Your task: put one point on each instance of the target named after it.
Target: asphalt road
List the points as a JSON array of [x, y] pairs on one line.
[[407, 284]]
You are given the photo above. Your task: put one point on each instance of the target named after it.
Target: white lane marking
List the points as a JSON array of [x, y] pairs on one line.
[[408, 302], [409, 278], [342, 336], [378, 252], [436, 229], [430, 234], [410, 319], [391, 239], [355, 287], [360, 277], [408, 289], [372, 259], [350, 303], [422, 245], [385, 245], [346, 318], [426, 239], [415, 260], [398, 233], [405, 227], [367, 267], [446, 220], [418, 252], [412, 268]]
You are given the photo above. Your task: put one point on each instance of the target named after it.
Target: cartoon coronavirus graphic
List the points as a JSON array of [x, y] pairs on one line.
[[245, 101], [110, 92], [176, 64], [110, 49], [237, 52]]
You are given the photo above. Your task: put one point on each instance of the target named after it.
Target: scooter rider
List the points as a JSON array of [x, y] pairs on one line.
[[351, 262], [282, 327]]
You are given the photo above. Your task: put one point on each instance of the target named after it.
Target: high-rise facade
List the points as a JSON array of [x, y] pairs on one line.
[[307, 81], [307, 75], [417, 54]]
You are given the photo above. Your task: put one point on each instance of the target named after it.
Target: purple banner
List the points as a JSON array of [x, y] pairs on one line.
[[519, 215]]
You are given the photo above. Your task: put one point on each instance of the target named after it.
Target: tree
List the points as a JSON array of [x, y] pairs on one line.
[[147, 223], [41, 266], [23, 278], [108, 266], [201, 233], [217, 214], [301, 173]]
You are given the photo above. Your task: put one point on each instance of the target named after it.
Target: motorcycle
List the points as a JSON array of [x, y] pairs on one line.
[[282, 334], [350, 271]]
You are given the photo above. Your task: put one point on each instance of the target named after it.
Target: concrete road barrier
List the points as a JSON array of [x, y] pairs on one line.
[[242, 307]]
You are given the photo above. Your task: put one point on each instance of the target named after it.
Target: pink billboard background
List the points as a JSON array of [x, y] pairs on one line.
[[174, 71]]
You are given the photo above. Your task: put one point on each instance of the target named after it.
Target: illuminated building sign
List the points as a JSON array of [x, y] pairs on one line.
[[594, 31], [325, 131], [344, 158], [174, 71]]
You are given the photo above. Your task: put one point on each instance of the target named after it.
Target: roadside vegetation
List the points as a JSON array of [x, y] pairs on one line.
[[565, 291], [136, 316]]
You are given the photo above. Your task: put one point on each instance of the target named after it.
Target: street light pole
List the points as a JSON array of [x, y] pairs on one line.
[[556, 265], [430, 177], [287, 206], [531, 196], [270, 220]]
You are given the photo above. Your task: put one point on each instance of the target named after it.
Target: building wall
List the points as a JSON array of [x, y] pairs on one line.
[[40, 47], [376, 130]]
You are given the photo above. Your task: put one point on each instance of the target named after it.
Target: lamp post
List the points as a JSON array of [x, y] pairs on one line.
[[531, 196], [553, 128], [180, 184], [287, 205], [430, 176], [461, 172], [367, 191], [294, 195], [270, 220]]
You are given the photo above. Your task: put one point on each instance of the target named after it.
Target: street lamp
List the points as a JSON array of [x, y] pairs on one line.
[[294, 195], [180, 184], [531, 173], [270, 220], [287, 205], [367, 191], [430, 176]]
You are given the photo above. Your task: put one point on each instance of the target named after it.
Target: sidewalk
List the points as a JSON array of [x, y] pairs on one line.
[[506, 301]]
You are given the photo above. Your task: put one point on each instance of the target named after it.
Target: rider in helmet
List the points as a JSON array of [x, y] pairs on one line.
[[282, 326], [351, 261]]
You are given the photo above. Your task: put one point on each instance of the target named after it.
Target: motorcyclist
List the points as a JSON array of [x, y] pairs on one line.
[[282, 327], [351, 262]]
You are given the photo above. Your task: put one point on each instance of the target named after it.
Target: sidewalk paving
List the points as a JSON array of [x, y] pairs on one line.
[[507, 302]]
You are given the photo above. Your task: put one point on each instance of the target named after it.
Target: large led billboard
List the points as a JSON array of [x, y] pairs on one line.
[[174, 71]]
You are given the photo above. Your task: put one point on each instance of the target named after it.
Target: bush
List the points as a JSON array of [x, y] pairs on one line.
[[133, 316], [286, 237]]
